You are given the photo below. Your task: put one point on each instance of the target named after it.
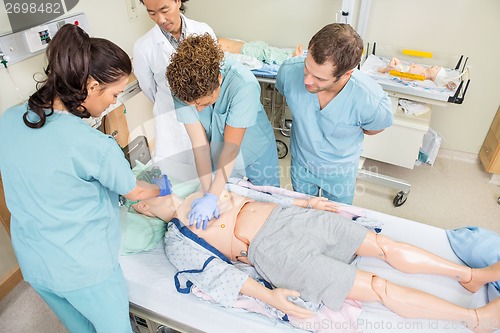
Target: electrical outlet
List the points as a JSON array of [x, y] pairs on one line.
[[132, 8]]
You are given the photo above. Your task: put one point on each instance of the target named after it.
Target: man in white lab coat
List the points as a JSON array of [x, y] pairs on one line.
[[151, 57]]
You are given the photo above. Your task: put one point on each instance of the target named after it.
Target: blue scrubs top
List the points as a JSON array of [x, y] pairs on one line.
[[325, 140], [61, 183], [239, 106]]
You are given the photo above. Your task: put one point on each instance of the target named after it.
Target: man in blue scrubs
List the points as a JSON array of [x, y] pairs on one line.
[[333, 106]]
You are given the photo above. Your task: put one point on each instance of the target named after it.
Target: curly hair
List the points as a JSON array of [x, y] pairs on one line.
[[338, 43], [194, 69]]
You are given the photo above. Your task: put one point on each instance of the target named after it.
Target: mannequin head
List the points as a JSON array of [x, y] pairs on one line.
[[164, 208]]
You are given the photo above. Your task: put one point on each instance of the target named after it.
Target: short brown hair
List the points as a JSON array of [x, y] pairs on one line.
[[338, 43], [194, 69]]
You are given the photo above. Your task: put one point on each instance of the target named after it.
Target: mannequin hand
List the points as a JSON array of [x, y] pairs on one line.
[[279, 299], [321, 203], [203, 209], [164, 185]]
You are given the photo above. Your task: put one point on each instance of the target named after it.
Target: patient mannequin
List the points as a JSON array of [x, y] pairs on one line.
[[243, 221], [259, 50], [433, 73]]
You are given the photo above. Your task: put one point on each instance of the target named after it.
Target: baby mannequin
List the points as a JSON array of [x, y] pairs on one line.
[[242, 222], [434, 73]]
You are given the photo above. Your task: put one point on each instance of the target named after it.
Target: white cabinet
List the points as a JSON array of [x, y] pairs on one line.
[[399, 144]]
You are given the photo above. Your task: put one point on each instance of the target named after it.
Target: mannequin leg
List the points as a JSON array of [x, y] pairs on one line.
[[412, 303], [412, 259]]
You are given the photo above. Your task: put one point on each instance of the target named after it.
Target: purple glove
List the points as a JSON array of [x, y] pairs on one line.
[[164, 185], [203, 209]]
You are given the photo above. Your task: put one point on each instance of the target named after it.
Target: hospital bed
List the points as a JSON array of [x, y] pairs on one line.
[[155, 303]]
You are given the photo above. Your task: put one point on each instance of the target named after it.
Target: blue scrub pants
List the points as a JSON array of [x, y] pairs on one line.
[[337, 185], [265, 170], [101, 308]]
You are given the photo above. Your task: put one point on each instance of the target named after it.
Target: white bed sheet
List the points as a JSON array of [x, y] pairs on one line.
[[150, 283]]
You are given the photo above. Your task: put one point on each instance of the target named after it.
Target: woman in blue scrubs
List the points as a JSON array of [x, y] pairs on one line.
[[219, 104], [62, 179]]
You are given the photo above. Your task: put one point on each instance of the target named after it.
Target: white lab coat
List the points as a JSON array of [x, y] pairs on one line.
[[152, 54]]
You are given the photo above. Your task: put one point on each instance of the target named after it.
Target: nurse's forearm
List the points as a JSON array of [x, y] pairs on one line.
[[224, 168], [201, 151], [203, 166]]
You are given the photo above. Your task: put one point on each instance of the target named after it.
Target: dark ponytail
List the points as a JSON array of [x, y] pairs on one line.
[[74, 58]]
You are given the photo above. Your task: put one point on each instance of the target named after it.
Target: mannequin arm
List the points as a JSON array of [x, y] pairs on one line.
[[318, 203], [277, 298]]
